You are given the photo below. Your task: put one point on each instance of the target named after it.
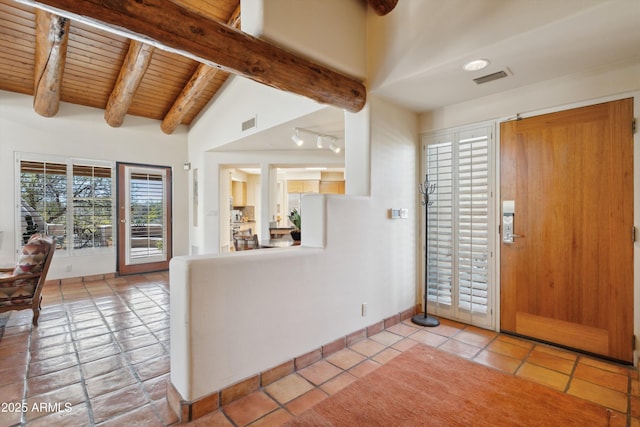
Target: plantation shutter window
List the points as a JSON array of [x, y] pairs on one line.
[[147, 221], [92, 206], [473, 222], [70, 200], [440, 238], [458, 243]]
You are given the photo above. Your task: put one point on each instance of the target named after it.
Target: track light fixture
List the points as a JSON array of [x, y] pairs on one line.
[[296, 138], [320, 139]]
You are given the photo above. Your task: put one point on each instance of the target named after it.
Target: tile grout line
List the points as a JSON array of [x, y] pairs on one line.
[[317, 386], [75, 346], [23, 415], [123, 355], [67, 307], [571, 374]]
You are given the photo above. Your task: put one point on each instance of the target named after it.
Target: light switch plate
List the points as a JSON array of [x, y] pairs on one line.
[[398, 213]]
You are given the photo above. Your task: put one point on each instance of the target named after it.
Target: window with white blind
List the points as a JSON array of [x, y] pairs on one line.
[[458, 248], [70, 200], [147, 230]]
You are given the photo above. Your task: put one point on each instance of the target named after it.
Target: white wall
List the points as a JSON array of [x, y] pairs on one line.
[[332, 30], [286, 302], [82, 132]]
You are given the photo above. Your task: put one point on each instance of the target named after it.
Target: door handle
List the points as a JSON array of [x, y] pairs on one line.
[[508, 220], [509, 239]]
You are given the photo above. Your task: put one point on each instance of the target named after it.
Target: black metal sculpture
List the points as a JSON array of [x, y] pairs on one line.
[[423, 319]]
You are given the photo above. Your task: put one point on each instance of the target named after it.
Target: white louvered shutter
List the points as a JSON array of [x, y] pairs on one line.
[[458, 244]]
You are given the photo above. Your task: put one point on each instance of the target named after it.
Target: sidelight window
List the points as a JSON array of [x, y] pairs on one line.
[[458, 255]]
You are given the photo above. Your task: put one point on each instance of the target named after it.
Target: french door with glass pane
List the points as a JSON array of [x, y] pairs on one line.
[[144, 218], [459, 261]]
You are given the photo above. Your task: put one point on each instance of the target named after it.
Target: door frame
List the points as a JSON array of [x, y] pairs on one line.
[[636, 209], [493, 262], [120, 217]]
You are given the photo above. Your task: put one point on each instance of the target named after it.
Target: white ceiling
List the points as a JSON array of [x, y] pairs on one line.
[[328, 121], [532, 40], [536, 40]]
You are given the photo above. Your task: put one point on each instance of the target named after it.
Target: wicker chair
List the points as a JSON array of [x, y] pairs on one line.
[[21, 286]]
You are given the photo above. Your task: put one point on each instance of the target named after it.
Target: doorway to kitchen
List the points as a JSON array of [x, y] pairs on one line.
[[295, 182], [240, 192]]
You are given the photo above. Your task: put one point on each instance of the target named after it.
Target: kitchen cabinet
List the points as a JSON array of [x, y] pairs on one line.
[[303, 186], [331, 187], [239, 193]]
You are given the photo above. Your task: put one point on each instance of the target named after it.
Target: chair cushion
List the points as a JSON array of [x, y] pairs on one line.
[[19, 292], [33, 255], [31, 261], [16, 291]]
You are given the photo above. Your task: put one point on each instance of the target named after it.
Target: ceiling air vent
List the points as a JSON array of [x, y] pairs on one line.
[[490, 77], [248, 124]]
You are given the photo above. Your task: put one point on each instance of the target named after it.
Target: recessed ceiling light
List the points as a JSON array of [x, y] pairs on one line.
[[476, 64]]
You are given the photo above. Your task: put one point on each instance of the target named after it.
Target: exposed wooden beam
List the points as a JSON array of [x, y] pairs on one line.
[[186, 100], [52, 35], [177, 29], [193, 89], [135, 65], [382, 7]]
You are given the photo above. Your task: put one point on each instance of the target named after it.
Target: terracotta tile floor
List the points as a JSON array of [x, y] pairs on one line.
[[100, 356]]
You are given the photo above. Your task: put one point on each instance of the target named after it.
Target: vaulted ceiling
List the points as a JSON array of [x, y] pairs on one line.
[[531, 41], [52, 50], [94, 60]]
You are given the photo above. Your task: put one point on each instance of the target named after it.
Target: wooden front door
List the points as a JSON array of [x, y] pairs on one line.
[[567, 275]]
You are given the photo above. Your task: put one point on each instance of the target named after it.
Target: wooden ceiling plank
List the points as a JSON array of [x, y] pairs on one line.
[[18, 21], [18, 43], [18, 10], [176, 28], [135, 65], [107, 67], [95, 37], [193, 90], [167, 67], [52, 33], [97, 48]]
